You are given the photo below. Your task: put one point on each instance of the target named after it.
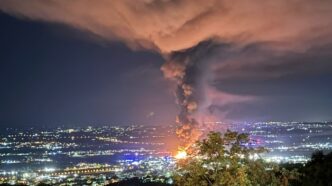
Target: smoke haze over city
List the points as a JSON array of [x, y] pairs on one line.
[[114, 61]]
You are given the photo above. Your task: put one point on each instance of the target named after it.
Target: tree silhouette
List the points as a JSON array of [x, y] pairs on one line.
[[318, 171], [228, 160]]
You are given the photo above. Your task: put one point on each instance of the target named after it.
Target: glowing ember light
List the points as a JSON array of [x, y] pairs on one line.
[[181, 155]]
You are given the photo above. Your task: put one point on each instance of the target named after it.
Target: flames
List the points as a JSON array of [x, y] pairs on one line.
[[181, 154]]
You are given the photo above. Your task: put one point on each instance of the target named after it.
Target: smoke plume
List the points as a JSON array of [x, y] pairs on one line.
[[185, 68], [185, 33]]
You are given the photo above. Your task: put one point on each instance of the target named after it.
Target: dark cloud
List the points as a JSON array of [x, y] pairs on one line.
[[260, 62], [173, 25], [286, 85]]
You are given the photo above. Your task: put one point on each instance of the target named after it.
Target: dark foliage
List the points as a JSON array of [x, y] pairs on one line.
[[136, 182], [318, 171]]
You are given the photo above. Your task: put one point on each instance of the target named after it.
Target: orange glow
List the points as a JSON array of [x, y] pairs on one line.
[[181, 155]]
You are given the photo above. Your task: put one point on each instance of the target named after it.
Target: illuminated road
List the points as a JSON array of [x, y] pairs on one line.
[[83, 171]]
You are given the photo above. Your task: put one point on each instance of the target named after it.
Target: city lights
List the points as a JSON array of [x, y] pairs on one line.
[[99, 154]]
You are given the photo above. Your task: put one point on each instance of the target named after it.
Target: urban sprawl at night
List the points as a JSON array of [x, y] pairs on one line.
[[108, 154]]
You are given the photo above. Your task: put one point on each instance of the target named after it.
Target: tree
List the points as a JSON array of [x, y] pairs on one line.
[[228, 160], [318, 171], [137, 182]]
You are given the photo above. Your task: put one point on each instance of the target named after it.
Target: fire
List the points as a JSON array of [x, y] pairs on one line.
[[181, 155]]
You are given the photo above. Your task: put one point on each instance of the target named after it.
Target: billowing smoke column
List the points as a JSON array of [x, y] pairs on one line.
[[283, 26], [185, 68]]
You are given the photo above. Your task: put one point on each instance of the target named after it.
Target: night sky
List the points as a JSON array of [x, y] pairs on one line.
[[53, 74], [63, 70]]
